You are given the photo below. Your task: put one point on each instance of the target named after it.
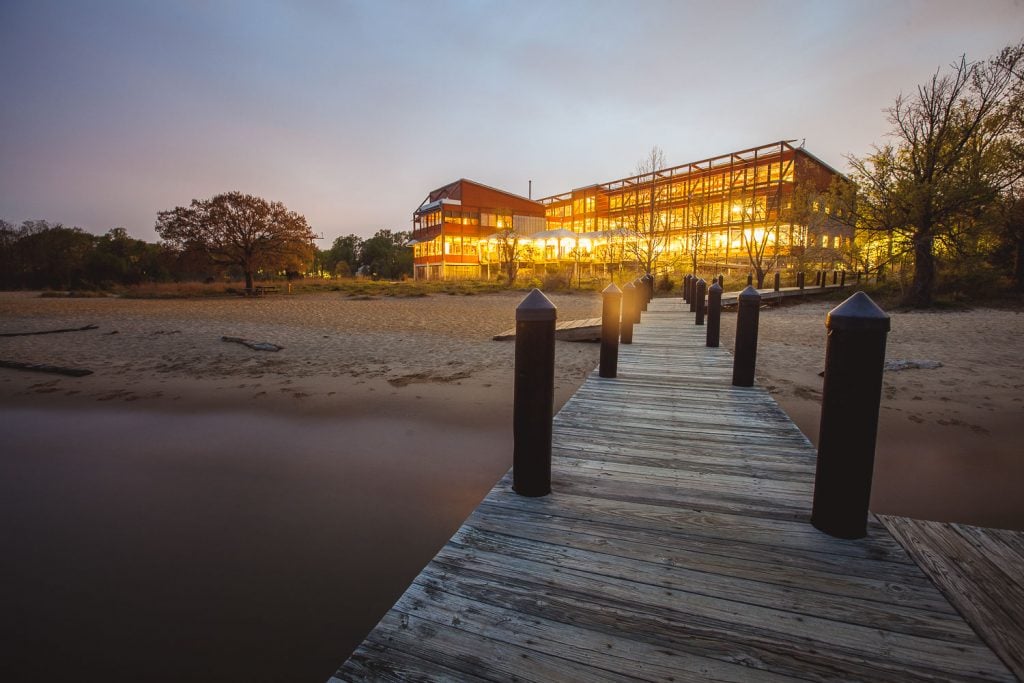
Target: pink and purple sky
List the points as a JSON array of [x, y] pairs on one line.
[[350, 112]]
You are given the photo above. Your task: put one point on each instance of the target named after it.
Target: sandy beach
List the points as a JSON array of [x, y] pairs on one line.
[[233, 514], [242, 514]]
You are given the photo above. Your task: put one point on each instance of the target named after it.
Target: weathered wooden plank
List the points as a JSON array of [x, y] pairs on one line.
[[635, 516], [978, 577], [788, 643], [690, 573], [611, 650], [835, 574]]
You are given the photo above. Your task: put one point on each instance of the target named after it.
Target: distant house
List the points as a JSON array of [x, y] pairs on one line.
[[715, 208]]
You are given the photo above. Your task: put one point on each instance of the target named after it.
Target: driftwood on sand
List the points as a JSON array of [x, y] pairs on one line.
[[258, 346], [66, 329], [43, 367]]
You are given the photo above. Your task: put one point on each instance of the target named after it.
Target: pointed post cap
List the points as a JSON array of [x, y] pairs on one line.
[[628, 285], [858, 312], [536, 307], [700, 281], [749, 294], [611, 290], [715, 287]]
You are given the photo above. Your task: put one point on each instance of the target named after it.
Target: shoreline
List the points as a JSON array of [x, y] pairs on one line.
[[213, 489]]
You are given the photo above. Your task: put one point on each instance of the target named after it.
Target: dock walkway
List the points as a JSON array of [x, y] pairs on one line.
[[675, 546], [589, 329]]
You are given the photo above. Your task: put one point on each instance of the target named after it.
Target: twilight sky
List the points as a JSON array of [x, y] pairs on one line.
[[350, 112]]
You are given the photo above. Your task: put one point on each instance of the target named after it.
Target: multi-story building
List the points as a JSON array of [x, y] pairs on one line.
[[762, 208]]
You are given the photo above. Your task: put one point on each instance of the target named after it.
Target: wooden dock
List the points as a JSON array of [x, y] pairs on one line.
[[589, 329], [980, 570], [675, 546]]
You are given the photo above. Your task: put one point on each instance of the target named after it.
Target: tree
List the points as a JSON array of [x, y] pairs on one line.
[[696, 245], [48, 255], [955, 143], [240, 230], [511, 252], [343, 256], [649, 225], [386, 255]]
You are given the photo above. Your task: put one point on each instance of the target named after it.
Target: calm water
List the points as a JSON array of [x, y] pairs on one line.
[[151, 546]]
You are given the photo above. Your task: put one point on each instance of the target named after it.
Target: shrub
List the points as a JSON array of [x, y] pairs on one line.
[[554, 282]]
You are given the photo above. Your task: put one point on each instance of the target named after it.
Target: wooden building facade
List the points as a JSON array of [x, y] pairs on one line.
[[775, 205]]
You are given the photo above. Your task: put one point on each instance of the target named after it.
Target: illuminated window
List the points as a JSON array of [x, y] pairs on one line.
[[836, 242], [824, 241]]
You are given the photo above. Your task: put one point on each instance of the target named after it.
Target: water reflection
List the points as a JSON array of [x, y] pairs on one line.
[[218, 547]]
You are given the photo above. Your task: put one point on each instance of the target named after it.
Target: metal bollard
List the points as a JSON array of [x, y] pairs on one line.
[[701, 291], [714, 314], [842, 279], [611, 313], [628, 314], [745, 353], [686, 288], [534, 395], [778, 281], [750, 279], [854, 362]]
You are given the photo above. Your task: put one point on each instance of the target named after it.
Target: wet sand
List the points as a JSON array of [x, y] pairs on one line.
[[199, 510], [949, 438]]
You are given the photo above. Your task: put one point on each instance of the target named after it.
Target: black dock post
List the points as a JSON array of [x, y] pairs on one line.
[[714, 314], [686, 288], [701, 293], [611, 314], [534, 395], [638, 300], [628, 313], [745, 353], [778, 281], [850, 398]]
